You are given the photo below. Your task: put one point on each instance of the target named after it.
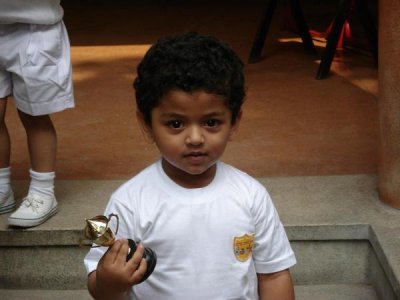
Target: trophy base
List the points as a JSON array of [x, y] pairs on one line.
[[149, 255]]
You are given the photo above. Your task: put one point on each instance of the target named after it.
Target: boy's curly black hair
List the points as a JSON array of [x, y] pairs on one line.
[[189, 62]]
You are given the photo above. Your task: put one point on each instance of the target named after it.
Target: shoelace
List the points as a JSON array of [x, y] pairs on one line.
[[33, 203]]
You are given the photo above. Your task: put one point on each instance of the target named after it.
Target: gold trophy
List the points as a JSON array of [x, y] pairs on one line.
[[99, 233]]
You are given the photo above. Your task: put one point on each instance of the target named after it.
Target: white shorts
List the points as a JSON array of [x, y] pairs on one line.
[[35, 67]]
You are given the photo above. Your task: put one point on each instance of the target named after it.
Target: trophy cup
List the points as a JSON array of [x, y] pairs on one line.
[[99, 233]]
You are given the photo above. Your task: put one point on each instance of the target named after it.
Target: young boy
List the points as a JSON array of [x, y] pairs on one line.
[[214, 229], [35, 68]]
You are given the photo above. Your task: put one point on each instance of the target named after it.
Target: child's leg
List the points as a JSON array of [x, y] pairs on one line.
[[6, 196], [42, 145], [4, 137], [42, 141], [40, 204]]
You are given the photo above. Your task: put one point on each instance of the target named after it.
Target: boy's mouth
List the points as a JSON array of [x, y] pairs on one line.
[[195, 154], [196, 157]]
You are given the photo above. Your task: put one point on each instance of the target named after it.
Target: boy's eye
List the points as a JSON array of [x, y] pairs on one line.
[[175, 124], [212, 123]]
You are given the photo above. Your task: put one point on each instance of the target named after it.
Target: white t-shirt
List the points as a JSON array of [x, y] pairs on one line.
[[45, 12], [202, 237]]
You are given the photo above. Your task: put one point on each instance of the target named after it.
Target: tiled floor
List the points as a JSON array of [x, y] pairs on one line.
[[293, 124]]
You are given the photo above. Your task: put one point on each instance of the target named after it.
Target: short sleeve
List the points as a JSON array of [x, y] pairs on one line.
[[272, 251]]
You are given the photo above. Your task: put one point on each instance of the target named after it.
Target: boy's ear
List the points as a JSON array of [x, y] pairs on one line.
[[146, 129], [235, 126]]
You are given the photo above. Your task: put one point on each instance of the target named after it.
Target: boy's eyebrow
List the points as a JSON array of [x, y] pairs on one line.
[[172, 115], [215, 114], [179, 115]]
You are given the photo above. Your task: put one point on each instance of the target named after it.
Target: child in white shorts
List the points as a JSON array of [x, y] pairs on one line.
[[35, 68]]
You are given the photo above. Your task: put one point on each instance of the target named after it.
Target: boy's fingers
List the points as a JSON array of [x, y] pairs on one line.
[[138, 274], [122, 252], [112, 251], [134, 262]]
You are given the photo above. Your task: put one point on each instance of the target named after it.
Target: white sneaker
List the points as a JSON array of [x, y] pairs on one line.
[[7, 203], [33, 211]]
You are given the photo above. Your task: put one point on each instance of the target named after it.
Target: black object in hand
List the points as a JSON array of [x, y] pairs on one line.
[[149, 255]]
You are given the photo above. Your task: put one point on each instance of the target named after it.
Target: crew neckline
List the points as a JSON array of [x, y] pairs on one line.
[[189, 195]]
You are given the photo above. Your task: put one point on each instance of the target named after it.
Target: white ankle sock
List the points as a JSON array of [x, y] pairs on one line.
[[5, 181], [42, 184]]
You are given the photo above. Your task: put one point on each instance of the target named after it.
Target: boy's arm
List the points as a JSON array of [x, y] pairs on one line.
[[276, 286], [114, 276]]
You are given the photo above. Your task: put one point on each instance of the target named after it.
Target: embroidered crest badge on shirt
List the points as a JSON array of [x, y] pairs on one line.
[[243, 246]]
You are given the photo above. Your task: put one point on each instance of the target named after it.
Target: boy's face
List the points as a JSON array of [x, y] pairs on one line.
[[191, 130]]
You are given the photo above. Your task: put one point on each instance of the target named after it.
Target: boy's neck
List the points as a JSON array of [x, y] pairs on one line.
[[189, 181]]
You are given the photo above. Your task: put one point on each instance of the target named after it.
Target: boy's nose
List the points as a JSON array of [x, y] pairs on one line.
[[194, 136]]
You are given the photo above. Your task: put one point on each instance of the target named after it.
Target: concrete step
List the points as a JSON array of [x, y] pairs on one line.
[[340, 231], [303, 292], [336, 292], [44, 294]]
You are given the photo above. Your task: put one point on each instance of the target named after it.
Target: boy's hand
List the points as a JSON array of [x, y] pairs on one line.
[[115, 275]]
